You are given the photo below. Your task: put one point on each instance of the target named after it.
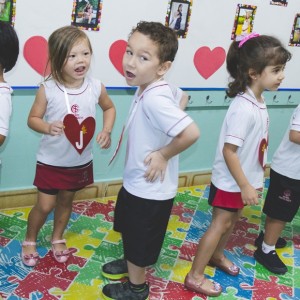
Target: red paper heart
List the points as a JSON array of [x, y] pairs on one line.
[[207, 61], [116, 53], [79, 135], [36, 54]]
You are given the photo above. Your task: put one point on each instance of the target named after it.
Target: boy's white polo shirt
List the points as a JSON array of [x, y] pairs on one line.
[[156, 121], [6, 107], [286, 160]]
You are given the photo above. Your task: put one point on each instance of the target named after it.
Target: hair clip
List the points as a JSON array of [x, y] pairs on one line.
[[247, 37]]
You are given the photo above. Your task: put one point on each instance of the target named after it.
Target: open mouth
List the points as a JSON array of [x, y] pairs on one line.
[[80, 69], [129, 75]]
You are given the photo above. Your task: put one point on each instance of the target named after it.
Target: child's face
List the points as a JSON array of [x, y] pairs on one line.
[[270, 78], [141, 64], [77, 63]]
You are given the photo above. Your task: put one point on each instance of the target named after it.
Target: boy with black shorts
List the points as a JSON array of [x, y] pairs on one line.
[[283, 196], [158, 130]]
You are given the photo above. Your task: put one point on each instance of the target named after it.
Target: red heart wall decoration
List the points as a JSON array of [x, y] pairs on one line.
[[79, 135], [116, 53], [36, 54], [207, 61]]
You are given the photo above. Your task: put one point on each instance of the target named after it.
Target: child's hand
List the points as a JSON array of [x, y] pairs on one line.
[[157, 165], [249, 195], [56, 128], [103, 139]]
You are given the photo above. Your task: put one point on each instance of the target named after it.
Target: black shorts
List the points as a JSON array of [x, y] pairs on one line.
[[283, 197], [143, 224]]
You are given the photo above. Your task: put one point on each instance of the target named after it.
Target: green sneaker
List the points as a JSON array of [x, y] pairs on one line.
[[115, 269], [122, 291]]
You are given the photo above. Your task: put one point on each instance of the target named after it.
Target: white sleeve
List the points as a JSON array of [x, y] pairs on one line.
[[5, 113], [295, 124], [177, 93]]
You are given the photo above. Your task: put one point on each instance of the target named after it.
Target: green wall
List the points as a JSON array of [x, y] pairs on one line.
[[206, 107]]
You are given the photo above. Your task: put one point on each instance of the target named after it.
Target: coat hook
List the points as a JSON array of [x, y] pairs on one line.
[[274, 99], [226, 100], [289, 99], [207, 99]]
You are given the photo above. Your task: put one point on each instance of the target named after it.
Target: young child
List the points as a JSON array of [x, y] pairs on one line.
[[255, 63], [246, 23], [9, 52], [158, 130], [283, 196], [64, 112], [2, 7], [176, 19]]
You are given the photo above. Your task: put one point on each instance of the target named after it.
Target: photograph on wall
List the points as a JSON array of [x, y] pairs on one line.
[[295, 35], [279, 2], [7, 11], [86, 14], [178, 16], [243, 21]]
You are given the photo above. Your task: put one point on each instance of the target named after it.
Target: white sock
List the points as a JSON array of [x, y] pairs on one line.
[[267, 248]]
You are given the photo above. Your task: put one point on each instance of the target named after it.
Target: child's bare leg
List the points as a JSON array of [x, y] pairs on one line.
[[273, 229], [136, 274], [219, 252], [62, 215], [37, 217], [209, 243]]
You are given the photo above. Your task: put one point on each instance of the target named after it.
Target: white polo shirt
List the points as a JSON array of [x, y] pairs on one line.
[[6, 107], [155, 119], [245, 125], [286, 160]]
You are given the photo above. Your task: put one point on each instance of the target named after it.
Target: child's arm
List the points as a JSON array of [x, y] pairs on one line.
[[2, 139], [157, 161], [35, 119], [248, 192], [184, 100], [295, 136], [109, 115]]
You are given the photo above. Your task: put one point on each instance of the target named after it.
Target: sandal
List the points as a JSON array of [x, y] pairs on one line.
[[29, 260], [60, 256], [233, 270], [197, 287]]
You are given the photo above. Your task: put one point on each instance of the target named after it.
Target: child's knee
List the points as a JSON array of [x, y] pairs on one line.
[[222, 226], [44, 208]]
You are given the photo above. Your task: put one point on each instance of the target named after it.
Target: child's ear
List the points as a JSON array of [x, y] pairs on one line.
[[164, 67], [252, 74]]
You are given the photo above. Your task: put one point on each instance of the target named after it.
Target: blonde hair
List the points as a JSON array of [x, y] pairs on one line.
[[60, 43]]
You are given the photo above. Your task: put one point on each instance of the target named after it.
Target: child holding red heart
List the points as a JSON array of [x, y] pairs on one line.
[[9, 52], [64, 111]]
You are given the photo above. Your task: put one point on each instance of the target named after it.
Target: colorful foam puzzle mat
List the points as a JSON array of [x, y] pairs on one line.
[[93, 242]]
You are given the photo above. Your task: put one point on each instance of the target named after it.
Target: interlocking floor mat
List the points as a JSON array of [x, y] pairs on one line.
[[93, 242]]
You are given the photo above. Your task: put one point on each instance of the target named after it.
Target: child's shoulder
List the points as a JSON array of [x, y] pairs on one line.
[[161, 90], [48, 83], [5, 88]]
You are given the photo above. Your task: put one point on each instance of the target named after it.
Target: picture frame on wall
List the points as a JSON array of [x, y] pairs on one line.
[[86, 14], [295, 34], [243, 21], [7, 11], [178, 16], [279, 2]]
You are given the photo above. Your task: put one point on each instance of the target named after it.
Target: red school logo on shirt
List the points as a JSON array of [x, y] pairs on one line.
[[262, 153], [81, 134]]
